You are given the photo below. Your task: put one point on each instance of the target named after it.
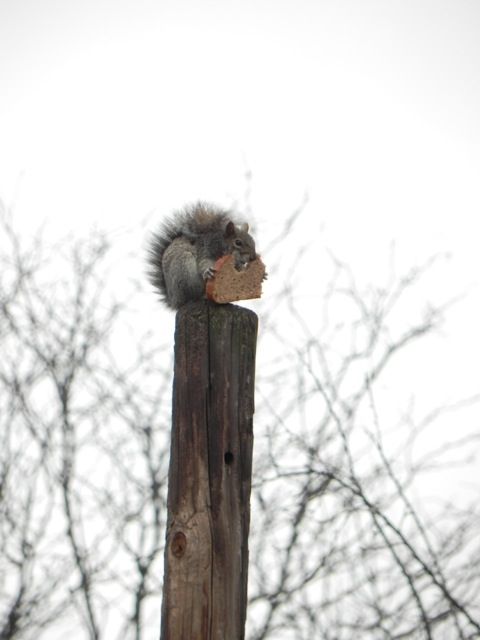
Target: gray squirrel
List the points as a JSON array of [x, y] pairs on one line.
[[182, 254]]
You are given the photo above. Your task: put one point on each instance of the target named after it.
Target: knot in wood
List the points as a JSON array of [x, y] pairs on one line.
[[179, 544]]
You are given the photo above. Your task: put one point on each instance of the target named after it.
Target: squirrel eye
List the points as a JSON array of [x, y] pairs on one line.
[[238, 242]]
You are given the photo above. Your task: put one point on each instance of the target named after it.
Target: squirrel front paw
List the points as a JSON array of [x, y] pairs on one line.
[[209, 273]]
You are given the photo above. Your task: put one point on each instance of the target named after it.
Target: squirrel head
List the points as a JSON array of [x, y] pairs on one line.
[[240, 244]]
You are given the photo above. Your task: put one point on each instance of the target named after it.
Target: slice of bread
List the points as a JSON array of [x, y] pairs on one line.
[[230, 285]]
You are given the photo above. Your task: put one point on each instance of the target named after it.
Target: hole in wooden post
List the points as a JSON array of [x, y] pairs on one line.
[[228, 457], [179, 544]]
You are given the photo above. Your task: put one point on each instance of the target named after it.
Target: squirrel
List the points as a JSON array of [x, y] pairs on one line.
[[182, 254]]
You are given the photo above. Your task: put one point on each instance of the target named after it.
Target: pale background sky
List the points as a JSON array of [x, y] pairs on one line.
[[110, 111]]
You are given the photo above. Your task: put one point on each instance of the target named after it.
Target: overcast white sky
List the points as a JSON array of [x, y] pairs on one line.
[[112, 109]]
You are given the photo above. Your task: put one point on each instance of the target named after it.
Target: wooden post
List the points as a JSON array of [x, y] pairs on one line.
[[206, 553]]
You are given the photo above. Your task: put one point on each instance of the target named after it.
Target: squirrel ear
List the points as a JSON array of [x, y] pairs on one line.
[[244, 227], [229, 229]]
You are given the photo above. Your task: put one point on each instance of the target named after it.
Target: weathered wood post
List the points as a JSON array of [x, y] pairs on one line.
[[206, 553]]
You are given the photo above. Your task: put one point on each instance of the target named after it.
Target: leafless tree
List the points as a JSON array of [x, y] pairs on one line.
[[84, 453], [350, 538], [343, 545]]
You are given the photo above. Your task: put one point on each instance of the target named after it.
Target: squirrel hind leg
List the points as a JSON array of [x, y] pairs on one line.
[[180, 271]]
